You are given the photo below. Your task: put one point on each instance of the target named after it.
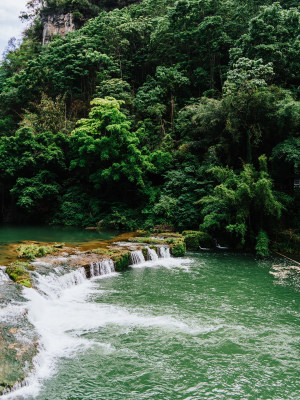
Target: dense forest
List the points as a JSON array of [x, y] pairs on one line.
[[182, 114]]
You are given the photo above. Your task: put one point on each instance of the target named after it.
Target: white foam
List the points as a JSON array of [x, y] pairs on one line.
[[168, 263], [137, 257], [61, 312], [164, 252], [53, 284], [152, 255], [100, 268], [3, 275], [38, 263], [12, 311]]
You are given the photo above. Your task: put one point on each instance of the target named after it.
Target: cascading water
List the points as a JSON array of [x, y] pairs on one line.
[[53, 284], [152, 255], [164, 252], [103, 267], [60, 310], [3, 275], [137, 257], [142, 332]]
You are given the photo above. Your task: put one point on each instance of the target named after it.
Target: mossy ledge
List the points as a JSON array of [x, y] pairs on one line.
[[120, 257], [33, 250], [174, 240], [19, 273]]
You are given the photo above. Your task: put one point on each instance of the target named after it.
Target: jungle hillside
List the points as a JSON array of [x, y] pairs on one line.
[[155, 114]]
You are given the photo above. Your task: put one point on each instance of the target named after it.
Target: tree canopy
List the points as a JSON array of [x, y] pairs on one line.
[[182, 113]]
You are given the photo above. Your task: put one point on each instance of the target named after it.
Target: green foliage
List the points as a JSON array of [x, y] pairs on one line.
[[273, 36], [107, 149], [31, 191], [287, 241], [116, 88], [262, 244], [75, 209], [121, 218], [178, 249], [242, 203], [247, 75], [194, 239], [122, 261], [34, 181], [49, 116], [31, 251], [147, 108]]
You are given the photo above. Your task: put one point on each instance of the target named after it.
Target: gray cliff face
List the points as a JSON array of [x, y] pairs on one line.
[[57, 24]]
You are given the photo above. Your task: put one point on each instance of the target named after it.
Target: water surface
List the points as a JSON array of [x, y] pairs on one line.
[[220, 327], [11, 234]]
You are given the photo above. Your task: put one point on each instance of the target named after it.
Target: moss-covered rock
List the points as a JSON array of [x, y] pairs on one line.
[[16, 355], [174, 240], [178, 249], [121, 260], [145, 253], [192, 242], [18, 273], [103, 251], [194, 239], [31, 251], [147, 240]]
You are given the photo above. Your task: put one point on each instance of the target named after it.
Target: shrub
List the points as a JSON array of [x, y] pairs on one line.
[[122, 261], [262, 244], [194, 239], [192, 242], [287, 241], [31, 251], [178, 249]]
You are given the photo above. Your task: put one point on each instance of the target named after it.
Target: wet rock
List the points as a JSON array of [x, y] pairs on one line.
[[18, 339]]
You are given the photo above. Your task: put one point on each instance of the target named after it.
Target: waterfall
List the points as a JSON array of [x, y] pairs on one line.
[[55, 283], [3, 275], [137, 257], [164, 252], [103, 267], [152, 255]]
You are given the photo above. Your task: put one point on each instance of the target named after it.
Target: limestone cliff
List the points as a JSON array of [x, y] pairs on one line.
[[60, 21], [57, 24]]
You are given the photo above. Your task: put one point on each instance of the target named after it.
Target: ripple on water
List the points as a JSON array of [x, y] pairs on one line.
[[221, 331]]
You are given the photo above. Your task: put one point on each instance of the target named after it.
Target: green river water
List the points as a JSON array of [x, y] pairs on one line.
[[221, 327], [11, 234]]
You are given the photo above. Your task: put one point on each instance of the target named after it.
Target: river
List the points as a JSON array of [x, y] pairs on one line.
[[210, 326], [11, 235]]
